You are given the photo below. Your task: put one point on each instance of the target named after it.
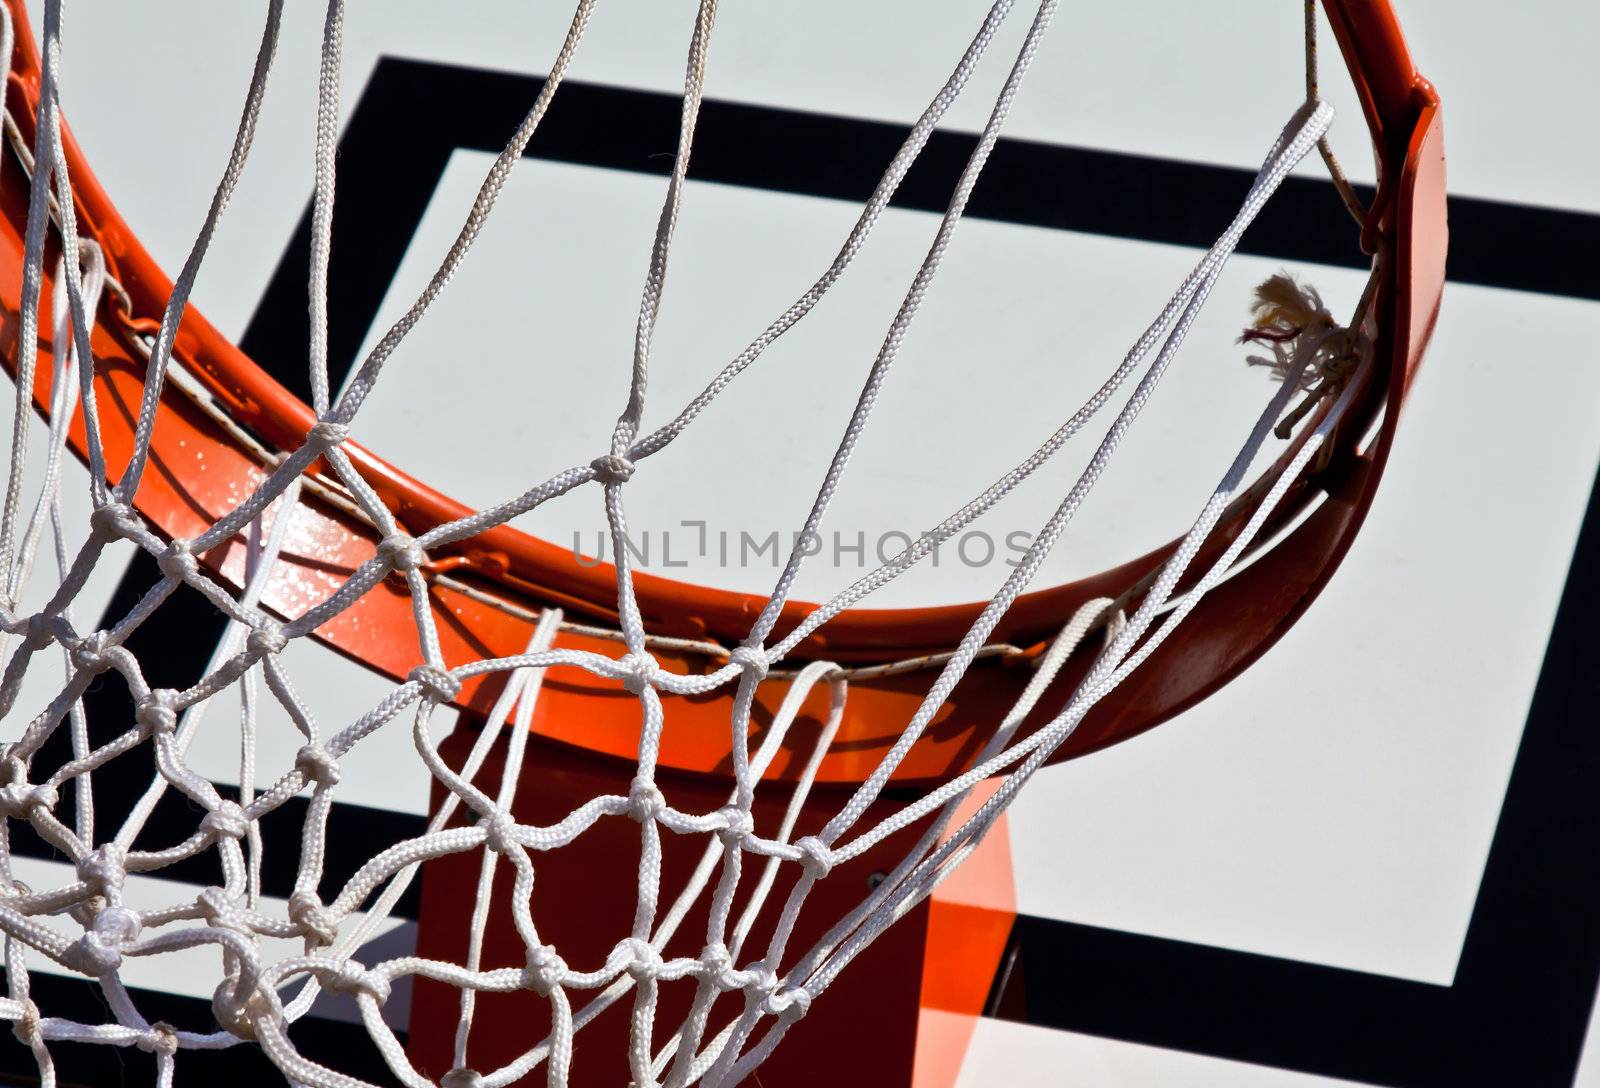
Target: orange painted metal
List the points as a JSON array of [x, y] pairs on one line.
[[908, 1003], [968, 923], [199, 471]]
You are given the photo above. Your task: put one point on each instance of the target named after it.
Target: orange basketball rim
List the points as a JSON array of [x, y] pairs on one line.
[[487, 591]]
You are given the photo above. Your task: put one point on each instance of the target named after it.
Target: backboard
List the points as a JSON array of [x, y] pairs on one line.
[[1226, 890]]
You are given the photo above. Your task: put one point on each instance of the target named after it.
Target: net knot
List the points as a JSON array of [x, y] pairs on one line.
[[752, 660], [114, 520], [815, 856], [644, 962], [24, 801], [544, 971], [612, 469], [789, 1004], [84, 911], [178, 562], [645, 800], [43, 628], [160, 1038], [217, 906], [737, 824], [716, 967], [760, 981], [157, 711], [325, 434], [90, 654], [461, 1077], [307, 912], [234, 1013], [26, 1029], [438, 683], [227, 820], [352, 978], [316, 764], [117, 925], [266, 640], [99, 952], [104, 868], [637, 671], [499, 832], [402, 552]]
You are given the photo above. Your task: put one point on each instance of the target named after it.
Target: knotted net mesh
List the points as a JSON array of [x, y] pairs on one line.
[[745, 998]]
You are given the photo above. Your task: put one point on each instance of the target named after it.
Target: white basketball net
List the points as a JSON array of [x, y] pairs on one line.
[[84, 925]]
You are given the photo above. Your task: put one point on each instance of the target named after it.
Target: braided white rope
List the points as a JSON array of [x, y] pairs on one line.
[[86, 925]]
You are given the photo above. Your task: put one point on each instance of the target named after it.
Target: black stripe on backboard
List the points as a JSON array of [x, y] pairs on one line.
[[1518, 1008], [408, 123], [341, 1045]]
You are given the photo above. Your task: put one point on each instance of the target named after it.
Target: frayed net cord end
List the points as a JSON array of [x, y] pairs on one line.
[[1290, 319]]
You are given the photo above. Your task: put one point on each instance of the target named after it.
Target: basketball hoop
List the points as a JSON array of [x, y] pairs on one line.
[[275, 512]]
